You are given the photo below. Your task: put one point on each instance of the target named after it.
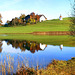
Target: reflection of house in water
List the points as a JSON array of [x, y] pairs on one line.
[[0, 46], [43, 46], [61, 46], [27, 45]]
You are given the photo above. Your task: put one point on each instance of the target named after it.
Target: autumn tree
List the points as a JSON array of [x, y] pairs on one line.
[[22, 17], [15, 21], [8, 22], [0, 20], [20, 21]]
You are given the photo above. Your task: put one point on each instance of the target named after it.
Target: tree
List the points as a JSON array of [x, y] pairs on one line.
[[72, 26], [22, 16], [21, 19], [0, 20], [8, 21], [32, 21], [15, 21]]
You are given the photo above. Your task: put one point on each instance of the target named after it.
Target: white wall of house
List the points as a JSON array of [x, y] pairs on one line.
[[42, 18], [43, 46]]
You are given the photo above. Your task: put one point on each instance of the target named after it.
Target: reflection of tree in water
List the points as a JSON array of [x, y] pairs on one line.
[[0, 46], [23, 45]]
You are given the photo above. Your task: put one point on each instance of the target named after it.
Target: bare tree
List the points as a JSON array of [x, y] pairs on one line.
[[72, 26], [0, 19]]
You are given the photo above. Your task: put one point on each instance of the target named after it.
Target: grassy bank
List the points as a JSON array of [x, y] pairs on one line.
[[56, 67], [51, 40], [50, 25]]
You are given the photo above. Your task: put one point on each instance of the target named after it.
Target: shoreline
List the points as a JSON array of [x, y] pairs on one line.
[[56, 67], [54, 33], [47, 33]]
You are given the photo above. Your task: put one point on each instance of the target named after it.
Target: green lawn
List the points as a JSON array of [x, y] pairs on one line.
[[50, 40], [50, 25]]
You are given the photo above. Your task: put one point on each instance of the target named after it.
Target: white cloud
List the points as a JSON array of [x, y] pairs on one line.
[[8, 15]]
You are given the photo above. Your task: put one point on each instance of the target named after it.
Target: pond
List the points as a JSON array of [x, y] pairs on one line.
[[31, 53]]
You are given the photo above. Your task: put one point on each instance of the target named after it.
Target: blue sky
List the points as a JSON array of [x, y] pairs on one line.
[[50, 8]]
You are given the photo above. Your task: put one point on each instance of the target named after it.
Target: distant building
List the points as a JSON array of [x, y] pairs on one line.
[[42, 18], [60, 17], [37, 17]]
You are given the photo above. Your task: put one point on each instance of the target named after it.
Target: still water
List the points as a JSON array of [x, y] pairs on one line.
[[32, 53]]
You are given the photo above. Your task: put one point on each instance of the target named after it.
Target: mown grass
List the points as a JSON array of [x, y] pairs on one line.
[[49, 25], [51, 40]]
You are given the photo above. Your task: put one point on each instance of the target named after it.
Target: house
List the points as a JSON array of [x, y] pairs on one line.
[[42, 18], [37, 18]]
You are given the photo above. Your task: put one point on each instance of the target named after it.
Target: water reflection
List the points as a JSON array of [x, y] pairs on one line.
[[61, 46], [25, 51], [26, 45], [1, 46]]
